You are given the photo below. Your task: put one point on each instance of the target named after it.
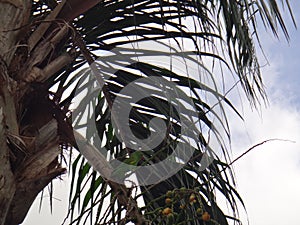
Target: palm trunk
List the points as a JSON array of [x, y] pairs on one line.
[[7, 180], [28, 164], [12, 16]]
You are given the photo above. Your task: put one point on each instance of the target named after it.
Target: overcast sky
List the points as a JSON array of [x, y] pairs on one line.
[[268, 178]]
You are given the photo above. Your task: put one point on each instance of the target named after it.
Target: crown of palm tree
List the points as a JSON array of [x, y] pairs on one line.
[[48, 62]]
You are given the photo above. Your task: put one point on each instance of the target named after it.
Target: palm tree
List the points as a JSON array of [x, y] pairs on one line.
[[45, 45]]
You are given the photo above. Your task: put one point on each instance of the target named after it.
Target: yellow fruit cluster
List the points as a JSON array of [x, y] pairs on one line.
[[170, 199], [192, 199], [205, 216], [167, 211]]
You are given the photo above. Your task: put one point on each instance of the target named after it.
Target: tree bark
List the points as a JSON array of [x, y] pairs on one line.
[[13, 15], [7, 180], [35, 173], [26, 167]]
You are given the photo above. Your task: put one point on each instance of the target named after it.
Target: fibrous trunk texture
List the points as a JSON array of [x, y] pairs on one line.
[[27, 163]]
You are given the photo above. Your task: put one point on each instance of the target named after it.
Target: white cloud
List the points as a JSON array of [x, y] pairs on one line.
[[269, 176]]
